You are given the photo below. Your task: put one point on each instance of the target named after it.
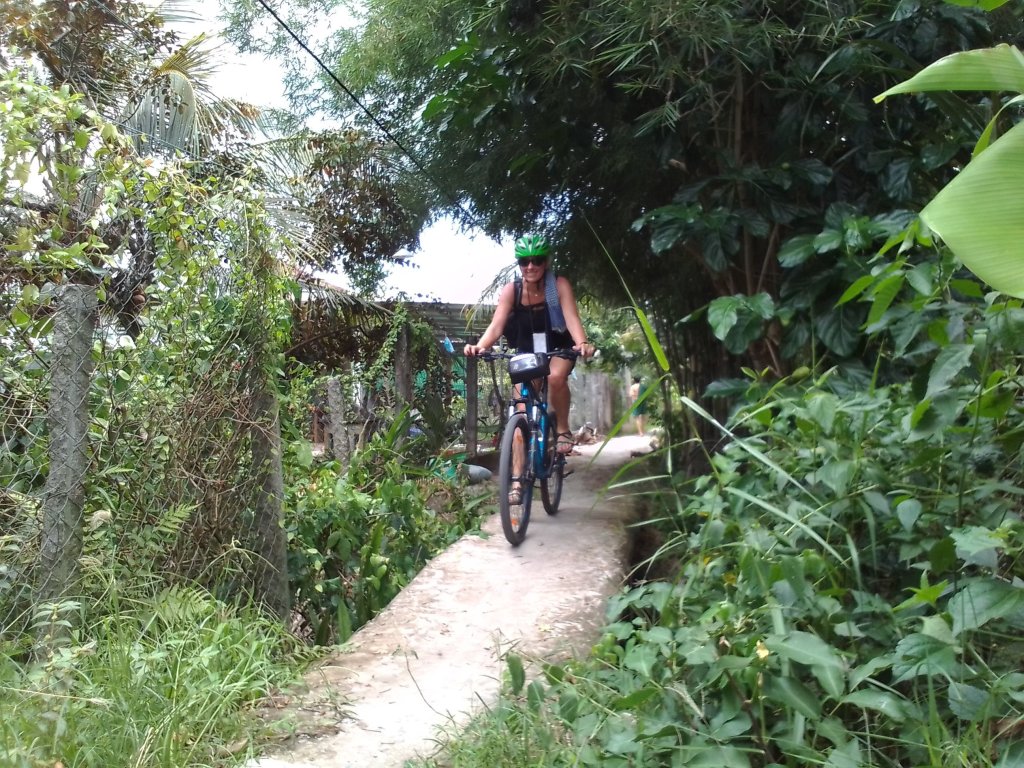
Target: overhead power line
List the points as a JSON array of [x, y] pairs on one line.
[[467, 217]]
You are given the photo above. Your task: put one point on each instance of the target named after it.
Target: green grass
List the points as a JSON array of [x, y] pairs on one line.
[[164, 681]]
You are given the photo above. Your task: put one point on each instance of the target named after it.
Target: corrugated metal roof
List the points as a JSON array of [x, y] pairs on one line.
[[456, 321]]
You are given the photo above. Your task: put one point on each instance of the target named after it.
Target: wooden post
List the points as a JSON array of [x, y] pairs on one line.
[[472, 404], [403, 368]]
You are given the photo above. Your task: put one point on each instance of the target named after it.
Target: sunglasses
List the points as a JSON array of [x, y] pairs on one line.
[[537, 261]]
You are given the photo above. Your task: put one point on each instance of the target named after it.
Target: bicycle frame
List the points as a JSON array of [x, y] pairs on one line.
[[535, 405]]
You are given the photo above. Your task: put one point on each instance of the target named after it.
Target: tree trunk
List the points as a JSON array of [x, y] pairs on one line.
[[267, 537], [68, 421]]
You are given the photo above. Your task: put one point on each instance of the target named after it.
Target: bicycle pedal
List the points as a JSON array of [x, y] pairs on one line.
[[566, 472]]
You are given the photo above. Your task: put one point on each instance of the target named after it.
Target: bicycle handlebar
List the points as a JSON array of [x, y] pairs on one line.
[[568, 354]]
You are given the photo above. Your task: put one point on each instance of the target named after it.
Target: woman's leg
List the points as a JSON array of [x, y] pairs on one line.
[[559, 398]]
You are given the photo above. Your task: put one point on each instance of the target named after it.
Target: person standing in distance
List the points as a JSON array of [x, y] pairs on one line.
[[639, 410], [540, 306]]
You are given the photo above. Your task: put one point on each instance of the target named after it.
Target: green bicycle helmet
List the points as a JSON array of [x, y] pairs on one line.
[[528, 246]]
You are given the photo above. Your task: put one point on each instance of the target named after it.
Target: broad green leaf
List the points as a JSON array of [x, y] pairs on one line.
[[831, 678], [937, 627], [978, 214], [839, 329], [922, 278], [883, 295], [889, 704], [790, 692], [987, 69], [723, 313], [344, 622], [20, 317], [829, 240], [711, 756], [455, 54], [822, 408], [908, 511], [796, 251], [434, 107], [804, 648], [968, 288], [620, 737], [948, 363], [761, 304], [976, 545], [919, 412], [967, 702], [942, 555], [641, 658], [837, 475], [920, 655], [634, 699], [867, 670], [739, 320], [729, 730], [856, 289], [845, 756], [982, 601]]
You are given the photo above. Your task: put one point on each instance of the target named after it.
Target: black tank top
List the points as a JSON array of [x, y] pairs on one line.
[[528, 319]]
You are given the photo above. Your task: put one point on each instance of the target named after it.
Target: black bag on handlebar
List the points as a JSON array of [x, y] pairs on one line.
[[527, 366]]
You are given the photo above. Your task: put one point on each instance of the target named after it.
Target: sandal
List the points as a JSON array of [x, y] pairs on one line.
[[565, 443], [515, 495]]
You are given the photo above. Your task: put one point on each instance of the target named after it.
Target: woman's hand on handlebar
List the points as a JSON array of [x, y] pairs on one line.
[[472, 350], [585, 349]]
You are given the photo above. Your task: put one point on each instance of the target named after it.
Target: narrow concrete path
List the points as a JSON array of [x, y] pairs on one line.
[[434, 654]]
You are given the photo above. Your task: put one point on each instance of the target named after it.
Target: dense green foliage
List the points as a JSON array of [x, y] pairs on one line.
[[845, 584], [358, 534]]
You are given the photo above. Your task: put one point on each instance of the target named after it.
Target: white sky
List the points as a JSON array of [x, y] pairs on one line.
[[449, 266]]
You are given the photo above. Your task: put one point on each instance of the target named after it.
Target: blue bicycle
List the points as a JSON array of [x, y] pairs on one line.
[[528, 443]]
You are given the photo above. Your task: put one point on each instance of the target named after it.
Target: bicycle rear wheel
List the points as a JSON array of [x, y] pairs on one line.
[[554, 471], [515, 517]]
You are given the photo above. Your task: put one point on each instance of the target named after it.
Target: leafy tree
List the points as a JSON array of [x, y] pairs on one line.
[[692, 141]]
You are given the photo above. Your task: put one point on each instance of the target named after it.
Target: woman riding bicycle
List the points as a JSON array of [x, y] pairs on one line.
[[540, 307]]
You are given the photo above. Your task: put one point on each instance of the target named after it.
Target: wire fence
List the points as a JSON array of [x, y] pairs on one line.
[[133, 450]]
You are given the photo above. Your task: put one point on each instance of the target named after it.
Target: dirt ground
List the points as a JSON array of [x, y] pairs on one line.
[[434, 655]]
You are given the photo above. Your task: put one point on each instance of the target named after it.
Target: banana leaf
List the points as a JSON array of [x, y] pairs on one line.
[[980, 214], [986, 69]]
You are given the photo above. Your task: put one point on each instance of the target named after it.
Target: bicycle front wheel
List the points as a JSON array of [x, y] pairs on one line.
[[515, 476], [554, 471]]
